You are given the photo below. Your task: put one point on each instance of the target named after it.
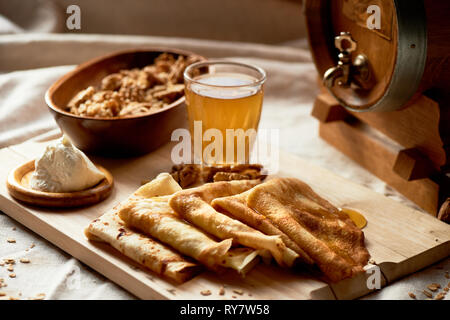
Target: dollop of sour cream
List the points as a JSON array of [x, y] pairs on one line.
[[64, 168]]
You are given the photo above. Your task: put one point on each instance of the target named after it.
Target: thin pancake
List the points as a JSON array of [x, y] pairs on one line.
[[142, 249], [194, 206], [236, 207], [240, 259], [162, 185], [155, 217], [332, 241], [157, 257]]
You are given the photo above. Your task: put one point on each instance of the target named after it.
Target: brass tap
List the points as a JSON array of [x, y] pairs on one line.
[[347, 71]]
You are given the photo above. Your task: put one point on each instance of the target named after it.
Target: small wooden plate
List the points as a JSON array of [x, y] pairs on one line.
[[18, 184]]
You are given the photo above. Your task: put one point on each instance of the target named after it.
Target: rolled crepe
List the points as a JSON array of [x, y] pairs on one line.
[[236, 207], [329, 238], [163, 260], [155, 217], [142, 249], [194, 206]]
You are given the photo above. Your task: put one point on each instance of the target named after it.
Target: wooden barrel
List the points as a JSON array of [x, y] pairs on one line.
[[407, 53]]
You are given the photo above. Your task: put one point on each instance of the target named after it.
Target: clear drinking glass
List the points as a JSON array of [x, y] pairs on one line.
[[224, 102]]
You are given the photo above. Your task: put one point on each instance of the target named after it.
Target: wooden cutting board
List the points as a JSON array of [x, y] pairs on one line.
[[401, 240]]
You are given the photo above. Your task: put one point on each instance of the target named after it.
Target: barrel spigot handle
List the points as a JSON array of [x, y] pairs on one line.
[[347, 71]]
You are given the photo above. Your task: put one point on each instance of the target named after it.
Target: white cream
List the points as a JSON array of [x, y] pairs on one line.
[[64, 168]]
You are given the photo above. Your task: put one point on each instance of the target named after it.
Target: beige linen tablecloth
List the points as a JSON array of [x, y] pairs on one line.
[[30, 63]]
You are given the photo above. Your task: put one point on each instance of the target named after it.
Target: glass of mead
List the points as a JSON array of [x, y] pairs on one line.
[[224, 102]]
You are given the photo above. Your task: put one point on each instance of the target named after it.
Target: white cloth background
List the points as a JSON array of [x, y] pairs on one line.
[[41, 59]]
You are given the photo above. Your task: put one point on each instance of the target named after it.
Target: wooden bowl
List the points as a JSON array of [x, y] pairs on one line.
[[115, 137], [18, 185]]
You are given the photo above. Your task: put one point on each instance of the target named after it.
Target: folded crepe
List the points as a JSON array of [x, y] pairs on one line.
[[162, 185], [194, 206], [156, 218], [142, 249], [328, 236], [236, 207], [157, 257]]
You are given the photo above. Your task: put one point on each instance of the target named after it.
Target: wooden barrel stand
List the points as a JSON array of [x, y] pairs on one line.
[[385, 98], [409, 149]]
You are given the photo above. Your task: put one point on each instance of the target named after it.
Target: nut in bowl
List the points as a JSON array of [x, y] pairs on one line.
[[122, 104]]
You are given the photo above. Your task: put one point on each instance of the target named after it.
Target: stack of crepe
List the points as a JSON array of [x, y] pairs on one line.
[[147, 230], [308, 224], [230, 224]]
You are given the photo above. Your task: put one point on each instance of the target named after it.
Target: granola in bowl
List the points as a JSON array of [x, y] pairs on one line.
[[132, 92]]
